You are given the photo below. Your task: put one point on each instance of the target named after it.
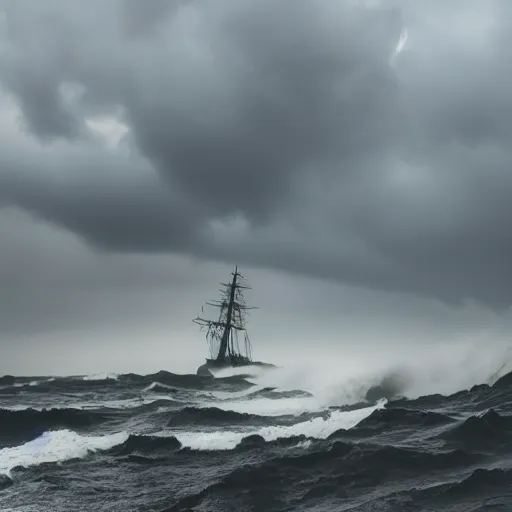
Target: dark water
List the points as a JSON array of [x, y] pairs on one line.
[[170, 442]]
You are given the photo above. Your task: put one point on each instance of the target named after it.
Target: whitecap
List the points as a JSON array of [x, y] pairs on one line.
[[101, 376], [56, 446], [319, 428]]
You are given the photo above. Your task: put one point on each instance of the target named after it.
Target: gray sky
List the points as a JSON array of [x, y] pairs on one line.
[[353, 158]]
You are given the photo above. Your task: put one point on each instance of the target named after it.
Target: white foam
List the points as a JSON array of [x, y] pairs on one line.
[[101, 376], [304, 444], [153, 385], [56, 446], [128, 403], [271, 407], [318, 428], [18, 408], [23, 384], [329, 383], [329, 387], [233, 371]]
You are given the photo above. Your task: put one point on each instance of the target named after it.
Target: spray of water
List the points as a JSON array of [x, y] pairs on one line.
[[421, 370]]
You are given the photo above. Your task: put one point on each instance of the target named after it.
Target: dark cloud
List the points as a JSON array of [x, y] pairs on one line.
[[141, 19], [280, 133]]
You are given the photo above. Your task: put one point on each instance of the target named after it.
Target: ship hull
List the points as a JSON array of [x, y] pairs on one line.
[[205, 370]]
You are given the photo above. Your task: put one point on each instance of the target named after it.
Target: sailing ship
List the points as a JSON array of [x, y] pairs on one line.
[[227, 337]]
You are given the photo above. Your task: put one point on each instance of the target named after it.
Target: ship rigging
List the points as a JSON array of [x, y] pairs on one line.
[[227, 337]]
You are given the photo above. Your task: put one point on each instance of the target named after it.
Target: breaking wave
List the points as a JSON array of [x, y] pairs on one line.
[[101, 376], [55, 446], [318, 427]]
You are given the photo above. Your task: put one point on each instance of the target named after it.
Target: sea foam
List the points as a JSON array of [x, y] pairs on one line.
[[56, 446], [319, 428]]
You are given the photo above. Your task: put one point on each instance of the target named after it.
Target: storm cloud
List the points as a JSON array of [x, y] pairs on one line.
[[364, 143]]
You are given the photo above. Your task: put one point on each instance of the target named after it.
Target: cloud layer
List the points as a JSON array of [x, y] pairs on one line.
[[285, 134]]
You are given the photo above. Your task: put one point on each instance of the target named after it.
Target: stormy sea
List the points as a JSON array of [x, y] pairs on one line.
[[169, 442]]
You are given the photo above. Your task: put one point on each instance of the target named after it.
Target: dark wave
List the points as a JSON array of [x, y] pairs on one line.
[[476, 393], [189, 381], [10, 390], [480, 481], [276, 394], [401, 460], [138, 444], [157, 387], [214, 416], [211, 415], [470, 490], [390, 386], [5, 481], [7, 380], [483, 395], [322, 474], [67, 385], [173, 380], [422, 402], [488, 430], [176, 380], [25, 425], [385, 419], [504, 382], [270, 393], [258, 442], [483, 490], [398, 422], [155, 405]]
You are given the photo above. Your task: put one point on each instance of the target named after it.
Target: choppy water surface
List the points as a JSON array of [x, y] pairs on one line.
[[167, 442]]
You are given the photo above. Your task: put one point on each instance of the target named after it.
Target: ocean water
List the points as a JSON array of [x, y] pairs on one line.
[[167, 442]]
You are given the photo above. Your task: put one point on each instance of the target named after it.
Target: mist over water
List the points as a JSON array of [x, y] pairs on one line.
[[342, 378]]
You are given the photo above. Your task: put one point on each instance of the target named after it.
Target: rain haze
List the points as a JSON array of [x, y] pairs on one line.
[[352, 158]]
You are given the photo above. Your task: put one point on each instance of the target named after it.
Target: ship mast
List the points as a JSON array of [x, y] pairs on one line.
[[231, 320], [227, 328]]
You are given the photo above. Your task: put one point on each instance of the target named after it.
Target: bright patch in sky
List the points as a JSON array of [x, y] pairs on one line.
[[108, 128], [401, 42]]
